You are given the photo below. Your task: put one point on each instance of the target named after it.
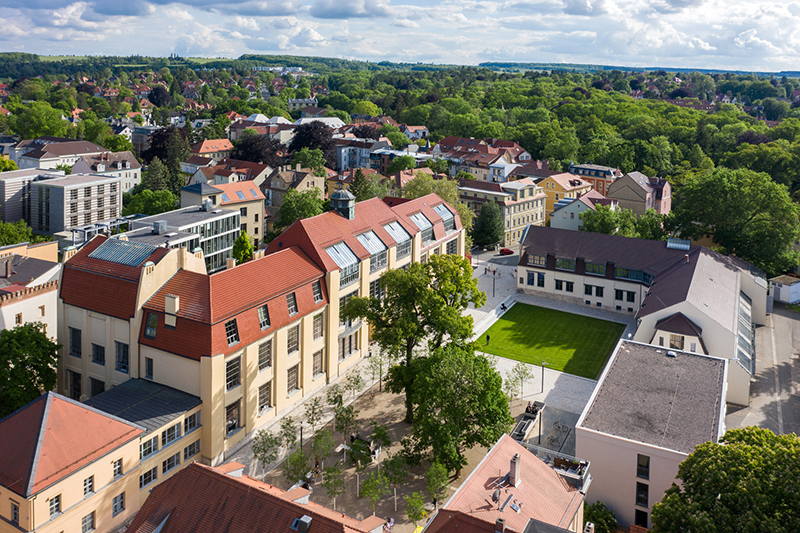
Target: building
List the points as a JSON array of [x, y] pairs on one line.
[[202, 498], [649, 410], [637, 192], [242, 195], [380, 158], [15, 191], [231, 170], [312, 111], [67, 467], [51, 152], [216, 149], [28, 285], [63, 203], [598, 176], [356, 153], [333, 123], [285, 177], [512, 486], [120, 164], [300, 103], [140, 137], [521, 202], [567, 211], [560, 186], [683, 296], [341, 181], [414, 132], [215, 230], [785, 289], [194, 163]]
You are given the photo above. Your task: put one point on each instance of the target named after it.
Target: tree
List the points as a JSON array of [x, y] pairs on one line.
[[353, 382], [437, 482], [313, 412], [159, 96], [415, 507], [7, 165], [439, 166], [745, 212], [118, 143], [521, 373], [398, 140], [149, 202], [345, 418], [242, 248], [156, 178], [400, 163], [651, 226], [361, 187], [266, 447], [424, 302], [603, 219], [288, 433], [295, 467], [447, 190], [374, 488], [489, 227], [601, 516], [322, 445], [313, 159], [746, 483], [333, 482], [39, 119], [365, 107], [258, 149], [459, 403], [396, 471], [315, 135], [298, 205], [28, 366], [66, 169], [15, 233], [367, 131]]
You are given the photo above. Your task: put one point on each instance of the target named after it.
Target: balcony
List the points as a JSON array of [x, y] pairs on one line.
[[574, 470]]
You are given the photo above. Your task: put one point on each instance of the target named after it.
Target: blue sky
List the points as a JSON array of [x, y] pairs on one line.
[[727, 34]]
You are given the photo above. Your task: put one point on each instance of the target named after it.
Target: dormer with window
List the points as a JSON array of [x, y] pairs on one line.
[[401, 237], [347, 262], [425, 227], [376, 248], [448, 219]]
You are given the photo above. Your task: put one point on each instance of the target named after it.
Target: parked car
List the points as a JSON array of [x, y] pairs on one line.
[[506, 251]]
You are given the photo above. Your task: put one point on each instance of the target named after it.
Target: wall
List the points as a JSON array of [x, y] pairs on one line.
[[629, 195], [157, 459], [30, 306]]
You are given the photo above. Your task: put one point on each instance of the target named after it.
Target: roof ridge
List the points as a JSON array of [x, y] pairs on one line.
[[39, 441]]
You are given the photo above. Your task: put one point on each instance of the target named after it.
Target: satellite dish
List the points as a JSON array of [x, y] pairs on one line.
[[496, 496]]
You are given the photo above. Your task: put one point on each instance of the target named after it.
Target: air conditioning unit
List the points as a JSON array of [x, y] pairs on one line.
[[588, 528]]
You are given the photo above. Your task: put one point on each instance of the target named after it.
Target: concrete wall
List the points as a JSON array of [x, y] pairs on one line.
[[568, 217], [34, 305]]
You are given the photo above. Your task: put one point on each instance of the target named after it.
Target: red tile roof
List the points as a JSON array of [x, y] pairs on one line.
[[52, 437], [212, 145], [247, 188], [541, 494], [203, 500]]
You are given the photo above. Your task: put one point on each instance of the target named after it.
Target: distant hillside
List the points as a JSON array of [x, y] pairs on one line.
[[575, 67]]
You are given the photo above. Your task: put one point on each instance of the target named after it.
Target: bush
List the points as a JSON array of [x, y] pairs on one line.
[[601, 516]]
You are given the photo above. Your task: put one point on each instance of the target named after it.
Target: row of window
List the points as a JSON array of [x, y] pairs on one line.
[[537, 278], [592, 268], [169, 464], [88, 490]]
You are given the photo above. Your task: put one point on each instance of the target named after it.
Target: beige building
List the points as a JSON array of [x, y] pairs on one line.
[[285, 178], [560, 186], [637, 192], [61, 204], [67, 467], [649, 410], [29, 286], [216, 149], [230, 171], [121, 164], [242, 195], [51, 152]]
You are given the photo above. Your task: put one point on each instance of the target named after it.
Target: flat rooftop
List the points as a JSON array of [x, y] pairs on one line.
[[184, 217], [145, 235], [650, 397], [144, 402], [30, 173], [80, 179]]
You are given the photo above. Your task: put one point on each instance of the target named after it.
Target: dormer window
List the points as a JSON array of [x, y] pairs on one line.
[[231, 332]]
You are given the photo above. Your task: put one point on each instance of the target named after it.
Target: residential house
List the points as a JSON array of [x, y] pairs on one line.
[[567, 211], [341, 181], [651, 407], [637, 192], [312, 111], [281, 132], [121, 164], [224, 499], [300, 103], [216, 149], [513, 485], [534, 169], [598, 176], [785, 289], [381, 158], [194, 163], [51, 152], [356, 153], [242, 195], [63, 203], [284, 178], [683, 296], [140, 138], [521, 202], [560, 186], [28, 285], [414, 132], [67, 467], [232, 170]]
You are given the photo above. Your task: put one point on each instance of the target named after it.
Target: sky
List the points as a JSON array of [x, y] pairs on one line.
[[719, 34]]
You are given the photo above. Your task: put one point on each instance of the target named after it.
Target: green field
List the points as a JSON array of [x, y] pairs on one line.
[[571, 343]]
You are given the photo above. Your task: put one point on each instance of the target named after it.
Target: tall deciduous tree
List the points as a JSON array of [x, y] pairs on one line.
[[258, 149], [296, 206], [315, 135], [242, 248], [28, 363], [7, 165], [16, 232], [747, 483], [333, 482], [745, 212], [310, 158], [437, 481], [295, 467], [403, 162], [424, 302], [603, 219], [488, 227], [149, 202]]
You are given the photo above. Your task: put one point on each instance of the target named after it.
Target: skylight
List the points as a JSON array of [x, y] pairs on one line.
[[240, 194], [225, 197]]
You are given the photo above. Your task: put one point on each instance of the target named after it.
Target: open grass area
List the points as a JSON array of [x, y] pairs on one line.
[[574, 344]]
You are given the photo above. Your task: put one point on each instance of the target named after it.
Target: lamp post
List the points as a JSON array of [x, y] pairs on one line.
[[493, 279], [544, 364]]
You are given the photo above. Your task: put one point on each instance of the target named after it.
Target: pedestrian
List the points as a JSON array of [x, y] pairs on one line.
[[500, 273], [487, 339], [494, 272], [486, 270]]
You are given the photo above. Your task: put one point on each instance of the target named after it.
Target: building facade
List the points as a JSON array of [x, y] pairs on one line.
[[599, 177], [61, 204], [637, 192], [560, 186], [120, 164]]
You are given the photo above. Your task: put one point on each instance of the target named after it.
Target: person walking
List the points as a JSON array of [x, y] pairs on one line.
[[487, 339]]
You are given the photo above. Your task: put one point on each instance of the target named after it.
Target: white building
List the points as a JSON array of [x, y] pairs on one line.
[[567, 212], [120, 164], [648, 412], [28, 285], [61, 204], [44, 153], [784, 289]]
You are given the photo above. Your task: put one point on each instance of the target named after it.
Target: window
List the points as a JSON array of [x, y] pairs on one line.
[[88, 486], [14, 513], [148, 447], [191, 450], [148, 368], [117, 468], [693, 347], [232, 422], [293, 339], [97, 386], [375, 289], [122, 357], [291, 303], [596, 269], [537, 260], [264, 397], [55, 505], [151, 326], [347, 345], [148, 477], [403, 249], [170, 435], [243, 210], [263, 317], [642, 494], [233, 373], [531, 278], [265, 355], [565, 264], [377, 261], [74, 379], [118, 504], [231, 332], [348, 275], [540, 280], [170, 462], [317, 357], [318, 326], [559, 285], [587, 290], [452, 247], [640, 518], [75, 342], [631, 296], [18, 319], [87, 523], [316, 287], [619, 295], [569, 286], [292, 383], [427, 235], [598, 291], [98, 354], [676, 341], [643, 466]]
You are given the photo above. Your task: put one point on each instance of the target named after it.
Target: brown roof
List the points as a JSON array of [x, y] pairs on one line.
[[109, 159], [61, 149], [52, 437], [679, 323], [199, 160], [201, 499]]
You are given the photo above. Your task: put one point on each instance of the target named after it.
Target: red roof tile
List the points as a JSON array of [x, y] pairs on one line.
[[212, 145], [247, 188]]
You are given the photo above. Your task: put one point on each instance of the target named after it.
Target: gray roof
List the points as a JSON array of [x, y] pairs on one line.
[[201, 188], [537, 526], [146, 236], [650, 397], [23, 269], [184, 217], [149, 404]]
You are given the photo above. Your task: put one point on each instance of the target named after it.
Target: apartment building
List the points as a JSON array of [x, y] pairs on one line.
[[15, 191], [242, 195], [300, 103], [567, 211], [560, 186], [61, 204], [67, 467], [51, 152], [229, 171], [286, 177], [356, 153], [637, 192], [598, 176], [650, 409], [121, 164]]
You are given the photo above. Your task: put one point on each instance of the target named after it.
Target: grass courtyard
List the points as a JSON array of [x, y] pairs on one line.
[[570, 343]]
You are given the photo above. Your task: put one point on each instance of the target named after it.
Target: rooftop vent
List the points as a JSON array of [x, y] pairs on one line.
[[672, 354], [159, 227]]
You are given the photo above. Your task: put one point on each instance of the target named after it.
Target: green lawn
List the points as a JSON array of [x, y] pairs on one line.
[[571, 343]]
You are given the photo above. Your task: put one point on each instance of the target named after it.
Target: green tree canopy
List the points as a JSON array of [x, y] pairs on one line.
[[298, 205], [603, 219], [310, 158], [156, 177], [149, 202], [7, 165], [118, 143], [16, 232], [28, 366], [489, 227], [746, 483], [403, 162], [242, 249]]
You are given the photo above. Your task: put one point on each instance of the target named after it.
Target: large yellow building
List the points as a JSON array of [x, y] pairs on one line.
[[560, 186]]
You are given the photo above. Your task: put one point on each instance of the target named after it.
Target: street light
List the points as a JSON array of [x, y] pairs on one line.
[[544, 364]]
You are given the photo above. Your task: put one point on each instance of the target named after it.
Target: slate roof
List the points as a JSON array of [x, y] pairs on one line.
[[61, 149], [24, 269], [201, 188], [52, 437], [647, 396], [145, 403], [202, 499]]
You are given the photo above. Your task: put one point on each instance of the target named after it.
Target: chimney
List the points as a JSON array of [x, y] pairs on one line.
[[500, 525], [304, 524], [172, 305], [9, 270], [515, 475], [686, 259], [231, 263]]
